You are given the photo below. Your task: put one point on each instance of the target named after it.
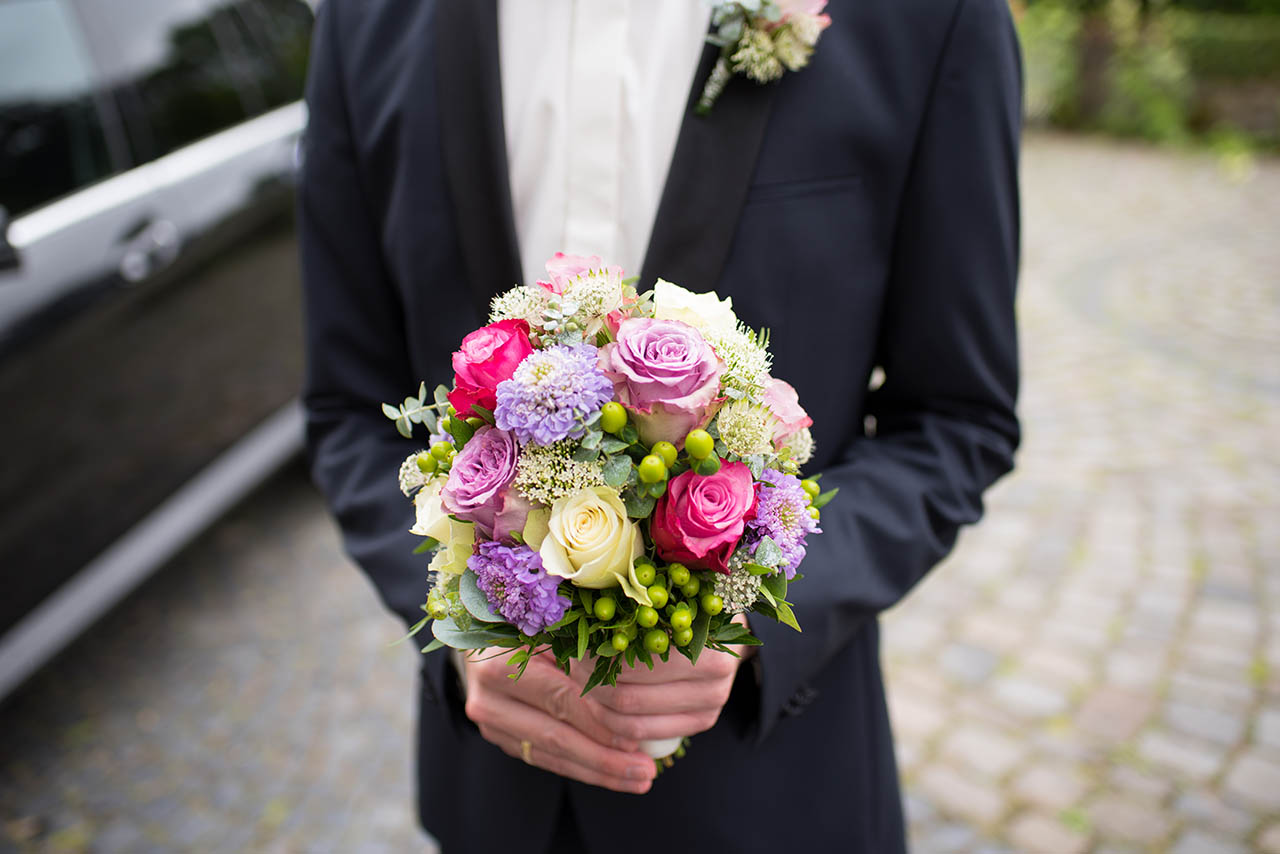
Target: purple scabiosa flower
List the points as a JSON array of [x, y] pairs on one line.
[[552, 393], [782, 514], [517, 587]]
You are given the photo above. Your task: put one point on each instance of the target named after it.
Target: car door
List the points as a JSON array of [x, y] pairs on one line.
[[192, 337]]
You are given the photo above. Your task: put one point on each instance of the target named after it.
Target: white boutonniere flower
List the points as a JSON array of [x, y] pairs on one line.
[[761, 39]]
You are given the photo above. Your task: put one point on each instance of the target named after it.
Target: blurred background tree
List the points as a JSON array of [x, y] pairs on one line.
[[1163, 70]]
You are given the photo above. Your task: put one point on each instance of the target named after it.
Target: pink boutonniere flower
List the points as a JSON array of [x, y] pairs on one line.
[[762, 39]]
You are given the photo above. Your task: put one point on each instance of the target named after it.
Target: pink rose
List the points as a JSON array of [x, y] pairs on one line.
[[562, 269], [487, 357], [789, 418], [479, 486], [666, 374], [805, 17], [700, 519]]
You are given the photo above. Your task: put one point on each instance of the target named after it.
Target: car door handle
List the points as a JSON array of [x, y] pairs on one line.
[[151, 246]]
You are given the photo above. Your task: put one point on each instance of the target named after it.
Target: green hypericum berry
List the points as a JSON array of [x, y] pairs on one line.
[[712, 604], [707, 467], [658, 595], [699, 444], [682, 637], [814, 512], [647, 617], [790, 467], [441, 450], [620, 641], [679, 574], [427, 463], [450, 411], [613, 417], [656, 641], [691, 587], [605, 607], [652, 469], [667, 451], [475, 422], [646, 573], [810, 487], [681, 619]]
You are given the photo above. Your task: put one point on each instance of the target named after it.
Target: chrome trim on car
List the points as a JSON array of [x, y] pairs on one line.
[[283, 123], [51, 626]]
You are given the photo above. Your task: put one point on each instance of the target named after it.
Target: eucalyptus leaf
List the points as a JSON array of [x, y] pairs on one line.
[[616, 470], [390, 411], [610, 445], [441, 395], [657, 490], [768, 554], [755, 463], [404, 428], [447, 632], [592, 439], [638, 506], [583, 454], [474, 600]]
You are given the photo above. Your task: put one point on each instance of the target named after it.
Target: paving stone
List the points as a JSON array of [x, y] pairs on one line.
[[1193, 760], [1132, 821], [960, 795], [1145, 785], [1254, 780], [1209, 810], [1036, 833], [1267, 728], [1226, 728], [1198, 842], [1026, 697], [967, 663], [1053, 787], [982, 749], [1269, 839], [1114, 714]]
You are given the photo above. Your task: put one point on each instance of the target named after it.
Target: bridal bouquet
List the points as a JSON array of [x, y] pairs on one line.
[[613, 475]]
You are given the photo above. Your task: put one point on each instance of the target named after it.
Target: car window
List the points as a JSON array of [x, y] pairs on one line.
[[278, 36], [52, 139], [168, 62]]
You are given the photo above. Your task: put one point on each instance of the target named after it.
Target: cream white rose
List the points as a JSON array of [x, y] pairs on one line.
[[432, 520], [701, 311], [588, 539], [451, 558]]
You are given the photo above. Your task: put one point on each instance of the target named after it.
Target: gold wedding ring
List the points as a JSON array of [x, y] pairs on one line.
[[526, 750]]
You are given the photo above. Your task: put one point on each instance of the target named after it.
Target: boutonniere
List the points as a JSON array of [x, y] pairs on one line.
[[761, 39]]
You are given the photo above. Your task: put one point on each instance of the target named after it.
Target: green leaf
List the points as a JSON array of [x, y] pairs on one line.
[[606, 649], [701, 624], [787, 617], [638, 506], [585, 595], [413, 630], [592, 440], [597, 675], [427, 544], [447, 632], [390, 411], [404, 428], [518, 658], [474, 600], [583, 454], [825, 498], [730, 632], [768, 595], [481, 412], [629, 434], [583, 637], [571, 615], [631, 656], [461, 431], [768, 554], [757, 569], [616, 470], [442, 397], [657, 490], [610, 445], [755, 463], [765, 609], [435, 644], [777, 585]]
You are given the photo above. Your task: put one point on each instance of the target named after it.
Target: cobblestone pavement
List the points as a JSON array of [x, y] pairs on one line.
[[1097, 668]]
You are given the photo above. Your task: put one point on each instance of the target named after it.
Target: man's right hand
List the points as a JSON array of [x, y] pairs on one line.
[[563, 730]]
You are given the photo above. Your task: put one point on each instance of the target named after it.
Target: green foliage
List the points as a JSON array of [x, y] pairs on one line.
[[1050, 32], [1149, 90], [1227, 47]]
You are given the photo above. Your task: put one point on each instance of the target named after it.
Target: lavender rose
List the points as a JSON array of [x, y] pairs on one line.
[[666, 374], [479, 487]]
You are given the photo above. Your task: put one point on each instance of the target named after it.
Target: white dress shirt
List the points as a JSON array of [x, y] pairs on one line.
[[593, 94]]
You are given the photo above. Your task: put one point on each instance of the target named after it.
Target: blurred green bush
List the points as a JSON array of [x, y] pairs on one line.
[[1162, 71]]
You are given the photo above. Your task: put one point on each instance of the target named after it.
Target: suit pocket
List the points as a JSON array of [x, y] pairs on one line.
[[779, 190]]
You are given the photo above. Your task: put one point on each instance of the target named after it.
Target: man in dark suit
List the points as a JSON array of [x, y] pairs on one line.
[[865, 208]]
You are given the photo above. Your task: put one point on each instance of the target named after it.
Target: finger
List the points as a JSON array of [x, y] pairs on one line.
[[670, 698], [661, 726], [505, 716], [711, 665], [544, 686], [566, 767]]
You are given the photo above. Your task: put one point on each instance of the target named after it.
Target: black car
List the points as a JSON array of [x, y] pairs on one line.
[[150, 333]]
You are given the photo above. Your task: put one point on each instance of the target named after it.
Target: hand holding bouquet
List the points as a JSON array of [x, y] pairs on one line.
[[613, 475]]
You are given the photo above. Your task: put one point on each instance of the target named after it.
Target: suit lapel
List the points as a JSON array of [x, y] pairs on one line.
[[707, 183], [469, 89]]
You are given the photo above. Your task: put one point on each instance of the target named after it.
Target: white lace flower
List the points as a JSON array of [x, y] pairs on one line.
[[747, 363], [746, 428], [739, 589], [755, 57], [411, 475], [523, 302], [801, 446], [548, 473]]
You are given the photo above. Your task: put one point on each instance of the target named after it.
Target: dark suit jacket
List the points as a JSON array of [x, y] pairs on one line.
[[864, 208]]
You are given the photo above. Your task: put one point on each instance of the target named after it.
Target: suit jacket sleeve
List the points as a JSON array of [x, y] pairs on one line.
[[357, 355], [945, 422]]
